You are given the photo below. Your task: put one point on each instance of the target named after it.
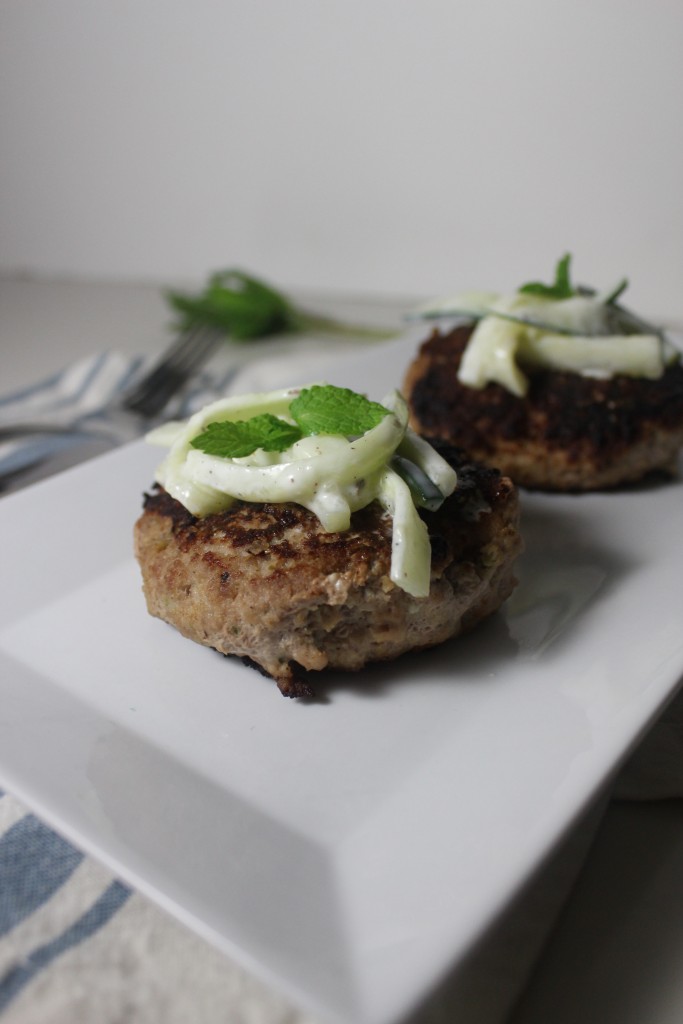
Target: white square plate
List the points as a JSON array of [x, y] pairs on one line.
[[349, 850]]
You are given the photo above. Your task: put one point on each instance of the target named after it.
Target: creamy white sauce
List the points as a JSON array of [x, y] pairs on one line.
[[499, 350], [330, 475]]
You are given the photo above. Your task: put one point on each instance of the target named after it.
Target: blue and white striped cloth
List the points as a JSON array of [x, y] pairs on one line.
[[77, 945], [82, 398], [36, 867]]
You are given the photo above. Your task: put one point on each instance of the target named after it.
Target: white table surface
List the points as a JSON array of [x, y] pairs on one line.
[[615, 956]]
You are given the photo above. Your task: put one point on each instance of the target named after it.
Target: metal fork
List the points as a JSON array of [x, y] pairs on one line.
[[150, 395], [175, 367]]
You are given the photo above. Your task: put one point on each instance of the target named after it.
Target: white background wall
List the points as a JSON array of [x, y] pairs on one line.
[[386, 146]]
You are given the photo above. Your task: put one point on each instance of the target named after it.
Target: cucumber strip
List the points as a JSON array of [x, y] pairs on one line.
[[411, 551], [425, 493], [632, 355], [524, 321], [433, 465], [166, 434]]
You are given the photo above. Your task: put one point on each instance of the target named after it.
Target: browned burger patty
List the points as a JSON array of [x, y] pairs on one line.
[[267, 583], [570, 433]]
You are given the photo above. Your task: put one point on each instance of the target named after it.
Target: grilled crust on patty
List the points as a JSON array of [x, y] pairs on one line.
[[570, 433], [265, 582]]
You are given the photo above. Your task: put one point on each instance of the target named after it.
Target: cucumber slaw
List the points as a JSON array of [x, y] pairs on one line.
[[331, 475]]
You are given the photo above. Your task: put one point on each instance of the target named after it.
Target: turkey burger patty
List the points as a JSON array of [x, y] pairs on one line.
[[559, 386], [266, 582], [567, 433]]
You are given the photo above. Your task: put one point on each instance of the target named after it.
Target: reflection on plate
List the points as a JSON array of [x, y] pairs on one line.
[[349, 850]]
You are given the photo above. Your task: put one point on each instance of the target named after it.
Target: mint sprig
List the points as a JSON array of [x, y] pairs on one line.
[[320, 409], [235, 439], [326, 409], [620, 320], [560, 289], [236, 303], [245, 307]]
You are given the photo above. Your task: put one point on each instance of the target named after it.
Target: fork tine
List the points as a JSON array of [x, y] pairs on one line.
[[170, 359], [186, 354]]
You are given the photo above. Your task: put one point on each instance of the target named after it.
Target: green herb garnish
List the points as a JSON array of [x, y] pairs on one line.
[[245, 307], [321, 409], [234, 440], [326, 409], [237, 303], [562, 287], [611, 297]]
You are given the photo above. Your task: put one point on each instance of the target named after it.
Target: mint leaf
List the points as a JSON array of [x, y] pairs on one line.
[[234, 440], [561, 289], [611, 297], [245, 307], [241, 305], [326, 409]]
